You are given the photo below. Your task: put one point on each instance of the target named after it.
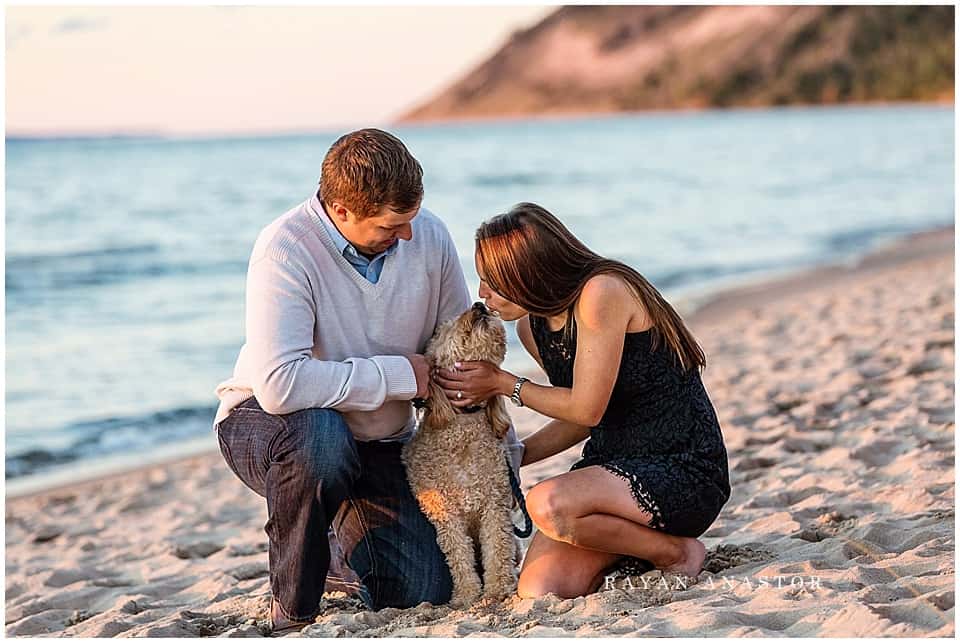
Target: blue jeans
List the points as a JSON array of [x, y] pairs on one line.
[[316, 477]]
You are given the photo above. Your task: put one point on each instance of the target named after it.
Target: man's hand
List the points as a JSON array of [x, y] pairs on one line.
[[421, 368]]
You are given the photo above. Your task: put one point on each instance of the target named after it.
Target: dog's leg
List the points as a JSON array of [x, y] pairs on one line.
[[498, 547], [457, 546]]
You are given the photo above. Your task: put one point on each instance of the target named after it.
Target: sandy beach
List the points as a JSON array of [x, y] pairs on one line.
[[835, 392]]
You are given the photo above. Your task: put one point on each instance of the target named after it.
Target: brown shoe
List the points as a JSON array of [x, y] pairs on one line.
[[281, 624]]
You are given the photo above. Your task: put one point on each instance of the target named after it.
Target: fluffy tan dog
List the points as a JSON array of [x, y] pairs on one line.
[[456, 464]]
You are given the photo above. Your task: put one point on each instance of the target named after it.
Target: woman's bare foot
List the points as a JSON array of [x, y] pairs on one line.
[[691, 560]]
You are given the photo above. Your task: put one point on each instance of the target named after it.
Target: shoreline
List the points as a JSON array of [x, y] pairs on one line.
[[923, 244], [696, 309], [109, 467]]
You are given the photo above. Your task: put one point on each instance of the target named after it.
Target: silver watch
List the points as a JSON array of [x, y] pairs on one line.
[[515, 398]]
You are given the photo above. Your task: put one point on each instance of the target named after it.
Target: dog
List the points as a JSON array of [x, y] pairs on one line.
[[457, 468]]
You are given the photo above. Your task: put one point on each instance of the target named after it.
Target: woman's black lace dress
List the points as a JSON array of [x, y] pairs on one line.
[[659, 432]]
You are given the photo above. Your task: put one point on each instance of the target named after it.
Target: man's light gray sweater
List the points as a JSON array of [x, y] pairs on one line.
[[319, 335]]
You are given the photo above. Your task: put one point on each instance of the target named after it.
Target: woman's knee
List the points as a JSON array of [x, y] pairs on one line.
[[565, 583], [549, 509]]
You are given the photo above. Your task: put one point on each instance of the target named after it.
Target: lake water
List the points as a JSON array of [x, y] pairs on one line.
[[126, 259]]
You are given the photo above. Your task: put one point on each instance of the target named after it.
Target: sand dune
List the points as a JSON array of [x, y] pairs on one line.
[[837, 406]]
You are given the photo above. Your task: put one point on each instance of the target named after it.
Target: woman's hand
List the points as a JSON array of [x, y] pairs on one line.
[[469, 383]]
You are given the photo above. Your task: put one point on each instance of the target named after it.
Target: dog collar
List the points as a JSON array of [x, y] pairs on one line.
[[420, 403]]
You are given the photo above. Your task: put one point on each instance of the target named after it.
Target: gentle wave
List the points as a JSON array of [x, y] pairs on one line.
[[104, 267], [114, 435]]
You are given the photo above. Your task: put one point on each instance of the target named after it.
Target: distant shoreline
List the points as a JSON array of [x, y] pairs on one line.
[[566, 115], [704, 308], [391, 122]]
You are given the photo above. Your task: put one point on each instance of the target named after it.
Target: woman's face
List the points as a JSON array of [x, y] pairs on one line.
[[507, 310]]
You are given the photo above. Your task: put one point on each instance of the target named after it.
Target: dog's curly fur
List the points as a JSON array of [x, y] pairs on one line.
[[456, 465]]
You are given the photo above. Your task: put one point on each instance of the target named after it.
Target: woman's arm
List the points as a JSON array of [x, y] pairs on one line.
[[603, 314], [555, 436], [602, 318]]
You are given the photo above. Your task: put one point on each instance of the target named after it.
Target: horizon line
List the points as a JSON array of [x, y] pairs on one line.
[[161, 134]]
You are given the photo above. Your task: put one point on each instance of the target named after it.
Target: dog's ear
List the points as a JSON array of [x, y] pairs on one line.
[[497, 416], [439, 410]]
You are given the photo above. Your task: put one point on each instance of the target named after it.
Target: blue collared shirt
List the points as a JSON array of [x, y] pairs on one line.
[[369, 268]]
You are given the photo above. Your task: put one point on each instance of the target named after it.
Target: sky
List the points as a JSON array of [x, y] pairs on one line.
[[210, 70]]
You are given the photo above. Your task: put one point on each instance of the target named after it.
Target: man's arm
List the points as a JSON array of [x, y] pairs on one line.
[[280, 319], [454, 299]]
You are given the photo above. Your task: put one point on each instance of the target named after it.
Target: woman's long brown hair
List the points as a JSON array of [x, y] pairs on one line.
[[528, 257]]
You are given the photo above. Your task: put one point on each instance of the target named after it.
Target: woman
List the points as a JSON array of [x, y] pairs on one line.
[[653, 475]]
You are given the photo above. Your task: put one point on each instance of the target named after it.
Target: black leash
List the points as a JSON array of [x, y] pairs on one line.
[[518, 495]]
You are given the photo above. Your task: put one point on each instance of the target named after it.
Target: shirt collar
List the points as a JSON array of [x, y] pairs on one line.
[[343, 246]]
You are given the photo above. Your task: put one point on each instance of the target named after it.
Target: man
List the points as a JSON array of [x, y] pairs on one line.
[[343, 293]]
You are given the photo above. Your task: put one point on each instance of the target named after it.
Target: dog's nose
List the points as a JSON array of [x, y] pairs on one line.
[[480, 307]]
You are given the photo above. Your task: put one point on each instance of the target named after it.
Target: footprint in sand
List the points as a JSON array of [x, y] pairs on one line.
[[729, 556], [249, 571], [247, 549], [198, 549], [804, 445], [879, 453], [827, 525], [758, 462]]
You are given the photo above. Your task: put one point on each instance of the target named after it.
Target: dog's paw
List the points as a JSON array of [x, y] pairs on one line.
[[463, 602], [465, 595], [500, 588], [497, 594]]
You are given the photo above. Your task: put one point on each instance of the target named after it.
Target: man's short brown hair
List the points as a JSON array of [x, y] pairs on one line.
[[368, 169]]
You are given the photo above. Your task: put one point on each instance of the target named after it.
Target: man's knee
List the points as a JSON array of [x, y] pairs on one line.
[[320, 443], [435, 584], [431, 582], [403, 577]]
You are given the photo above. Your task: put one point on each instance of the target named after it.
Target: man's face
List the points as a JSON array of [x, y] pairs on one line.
[[375, 234]]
